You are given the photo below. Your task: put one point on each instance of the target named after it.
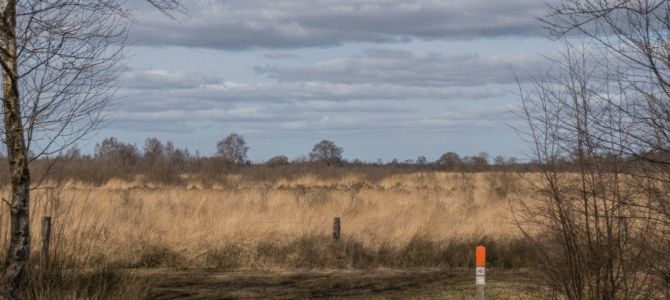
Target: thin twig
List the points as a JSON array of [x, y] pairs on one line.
[[3, 199]]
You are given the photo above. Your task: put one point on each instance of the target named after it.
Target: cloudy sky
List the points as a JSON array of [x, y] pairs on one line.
[[382, 79]]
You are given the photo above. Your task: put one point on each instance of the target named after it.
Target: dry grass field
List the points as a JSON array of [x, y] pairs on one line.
[[403, 222], [250, 226]]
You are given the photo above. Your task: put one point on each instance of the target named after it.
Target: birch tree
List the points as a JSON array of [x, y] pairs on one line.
[[60, 61]]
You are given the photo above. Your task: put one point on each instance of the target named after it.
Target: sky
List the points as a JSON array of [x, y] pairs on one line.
[[382, 79]]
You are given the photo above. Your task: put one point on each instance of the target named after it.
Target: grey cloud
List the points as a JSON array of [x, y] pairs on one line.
[[291, 24], [174, 127], [161, 79], [334, 106], [280, 56], [322, 90], [411, 123], [405, 68], [147, 101], [242, 114]]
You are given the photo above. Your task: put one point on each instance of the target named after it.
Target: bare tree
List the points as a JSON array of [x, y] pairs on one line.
[[73, 153], [480, 163], [635, 35], [153, 150], [326, 152], [233, 148], [575, 223], [499, 160], [176, 157], [120, 157], [300, 159], [112, 149], [58, 75]]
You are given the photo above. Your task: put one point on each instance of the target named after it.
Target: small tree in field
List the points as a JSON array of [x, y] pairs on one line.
[[326, 152], [449, 161], [232, 148]]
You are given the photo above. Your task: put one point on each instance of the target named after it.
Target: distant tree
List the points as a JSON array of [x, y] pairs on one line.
[[485, 156], [449, 161], [421, 160], [232, 148], [177, 157], [279, 160], [153, 150], [169, 150], [326, 152], [499, 160], [180, 157], [409, 162], [467, 164], [394, 162], [300, 159], [111, 148], [479, 164], [513, 161], [73, 153]]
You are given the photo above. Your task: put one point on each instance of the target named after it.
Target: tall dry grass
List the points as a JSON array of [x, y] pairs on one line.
[[406, 220], [421, 219], [264, 217]]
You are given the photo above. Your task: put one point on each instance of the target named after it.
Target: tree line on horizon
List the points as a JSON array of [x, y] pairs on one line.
[[164, 164], [231, 152]]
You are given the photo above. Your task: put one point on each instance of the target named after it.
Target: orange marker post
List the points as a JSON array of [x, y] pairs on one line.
[[481, 256], [480, 271]]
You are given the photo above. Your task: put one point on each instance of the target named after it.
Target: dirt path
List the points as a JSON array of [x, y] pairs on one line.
[[339, 284]]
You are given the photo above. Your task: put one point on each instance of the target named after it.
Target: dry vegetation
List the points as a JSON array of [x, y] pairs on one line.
[[423, 219], [266, 218], [252, 219]]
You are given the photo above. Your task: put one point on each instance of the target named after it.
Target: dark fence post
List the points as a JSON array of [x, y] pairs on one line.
[[336, 228], [46, 237]]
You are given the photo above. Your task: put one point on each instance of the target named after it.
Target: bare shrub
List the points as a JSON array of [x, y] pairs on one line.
[[279, 160], [575, 224]]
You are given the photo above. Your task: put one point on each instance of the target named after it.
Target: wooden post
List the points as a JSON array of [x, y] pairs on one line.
[[46, 238], [336, 228]]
